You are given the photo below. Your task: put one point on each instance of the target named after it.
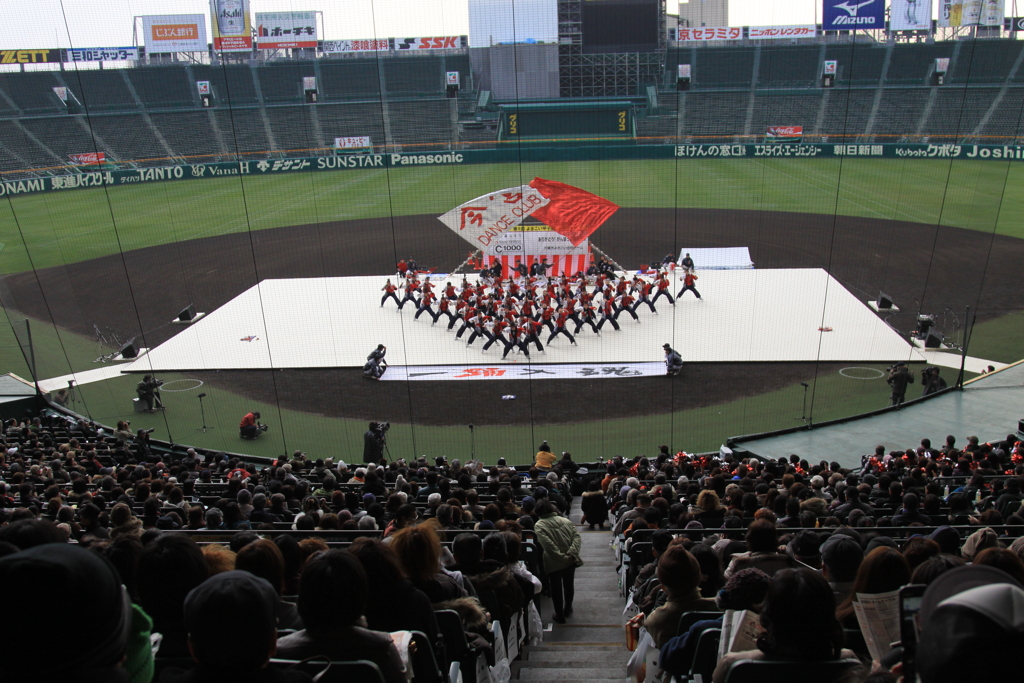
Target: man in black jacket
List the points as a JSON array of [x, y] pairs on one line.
[[373, 443]]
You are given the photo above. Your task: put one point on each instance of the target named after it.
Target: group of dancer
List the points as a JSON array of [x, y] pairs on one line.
[[517, 311]]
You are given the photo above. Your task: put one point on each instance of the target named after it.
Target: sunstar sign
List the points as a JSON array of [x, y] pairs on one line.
[[852, 14]]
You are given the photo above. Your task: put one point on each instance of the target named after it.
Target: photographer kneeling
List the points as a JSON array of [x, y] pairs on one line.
[[250, 427], [148, 394]]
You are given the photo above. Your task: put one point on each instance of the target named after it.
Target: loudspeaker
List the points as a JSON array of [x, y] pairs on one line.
[[682, 84], [451, 91], [311, 96], [129, 350], [933, 340], [884, 301], [207, 101], [828, 81], [187, 313]]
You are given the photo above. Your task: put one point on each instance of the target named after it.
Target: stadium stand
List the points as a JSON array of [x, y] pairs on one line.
[[421, 122], [900, 111], [958, 111], [789, 67], [405, 76], [857, 64], [347, 79], [98, 90], [722, 67], [22, 146], [357, 119], [282, 83], [32, 92], [244, 132], [142, 144], [913, 64], [772, 109], [162, 87], [714, 115], [64, 135], [293, 129], [1005, 123], [847, 112], [231, 84], [188, 133], [985, 61]]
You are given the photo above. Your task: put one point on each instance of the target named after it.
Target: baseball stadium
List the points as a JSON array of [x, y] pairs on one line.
[[602, 228]]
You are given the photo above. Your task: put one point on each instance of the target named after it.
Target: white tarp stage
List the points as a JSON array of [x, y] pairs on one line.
[[748, 315], [719, 258], [523, 370]]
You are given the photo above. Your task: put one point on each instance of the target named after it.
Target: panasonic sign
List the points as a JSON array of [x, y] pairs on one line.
[[850, 15]]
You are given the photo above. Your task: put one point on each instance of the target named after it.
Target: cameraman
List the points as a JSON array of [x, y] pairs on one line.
[[375, 363], [899, 377], [931, 381], [249, 427], [147, 391], [373, 443]]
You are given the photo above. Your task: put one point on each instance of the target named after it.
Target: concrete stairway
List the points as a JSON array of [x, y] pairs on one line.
[[590, 646]]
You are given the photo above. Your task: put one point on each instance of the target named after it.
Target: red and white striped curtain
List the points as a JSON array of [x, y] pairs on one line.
[[560, 264]]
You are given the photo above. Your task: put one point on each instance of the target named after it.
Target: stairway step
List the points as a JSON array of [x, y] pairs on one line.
[[573, 674], [569, 656]]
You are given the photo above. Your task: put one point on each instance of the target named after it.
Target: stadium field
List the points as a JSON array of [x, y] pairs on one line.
[[70, 226], [870, 221]]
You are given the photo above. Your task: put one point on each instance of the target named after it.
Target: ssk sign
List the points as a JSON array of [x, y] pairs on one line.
[[850, 15], [433, 43]]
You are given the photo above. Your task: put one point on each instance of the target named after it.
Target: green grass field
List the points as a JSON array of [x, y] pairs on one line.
[[57, 228], [46, 230]]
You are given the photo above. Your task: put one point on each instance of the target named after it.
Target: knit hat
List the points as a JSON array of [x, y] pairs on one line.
[[45, 576], [978, 541], [746, 589], [138, 658]]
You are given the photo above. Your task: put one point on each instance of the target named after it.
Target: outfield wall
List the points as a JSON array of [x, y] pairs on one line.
[[511, 154]]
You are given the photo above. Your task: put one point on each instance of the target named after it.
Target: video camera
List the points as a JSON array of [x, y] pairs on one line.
[[382, 426]]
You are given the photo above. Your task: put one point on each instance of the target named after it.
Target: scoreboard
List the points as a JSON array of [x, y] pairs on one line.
[[567, 121]]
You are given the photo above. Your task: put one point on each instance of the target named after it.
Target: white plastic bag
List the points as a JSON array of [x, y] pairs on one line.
[[636, 668], [501, 672], [536, 626]]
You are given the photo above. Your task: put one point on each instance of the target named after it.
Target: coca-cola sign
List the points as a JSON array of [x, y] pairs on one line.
[[784, 132], [88, 158]]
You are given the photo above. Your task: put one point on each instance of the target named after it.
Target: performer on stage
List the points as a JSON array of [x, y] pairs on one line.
[[689, 279], [425, 306], [608, 315], [389, 291], [663, 285]]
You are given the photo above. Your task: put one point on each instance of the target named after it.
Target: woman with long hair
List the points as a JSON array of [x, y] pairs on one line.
[[799, 621], [883, 570]]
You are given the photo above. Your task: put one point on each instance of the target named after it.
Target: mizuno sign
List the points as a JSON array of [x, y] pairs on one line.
[[852, 14]]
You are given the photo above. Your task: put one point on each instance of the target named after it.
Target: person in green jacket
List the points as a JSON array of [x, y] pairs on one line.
[[561, 543]]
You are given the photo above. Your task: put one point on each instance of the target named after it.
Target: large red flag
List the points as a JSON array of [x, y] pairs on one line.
[[572, 212]]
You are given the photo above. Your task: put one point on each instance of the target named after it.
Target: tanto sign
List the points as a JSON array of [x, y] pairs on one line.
[[433, 43]]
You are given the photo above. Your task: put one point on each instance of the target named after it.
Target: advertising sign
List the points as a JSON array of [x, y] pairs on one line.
[[371, 45], [203, 87], [910, 15], [941, 65], [101, 54], [451, 77], [29, 56], [684, 71], [354, 142], [767, 32], [432, 43], [784, 132], [850, 15], [88, 158], [700, 35], [953, 13], [276, 30], [232, 29], [830, 67], [174, 33], [1014, 24]]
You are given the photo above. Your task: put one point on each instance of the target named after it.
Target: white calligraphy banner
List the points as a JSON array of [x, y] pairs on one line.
[[483, 220], [441, 373]]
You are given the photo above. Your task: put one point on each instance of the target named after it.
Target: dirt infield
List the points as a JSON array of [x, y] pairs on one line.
[[137, 293]]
